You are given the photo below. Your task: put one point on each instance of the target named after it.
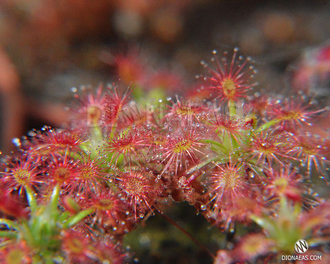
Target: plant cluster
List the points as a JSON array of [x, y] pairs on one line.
[[71, 195]]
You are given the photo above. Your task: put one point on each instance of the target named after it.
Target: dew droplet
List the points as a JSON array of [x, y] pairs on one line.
[[16, 142]]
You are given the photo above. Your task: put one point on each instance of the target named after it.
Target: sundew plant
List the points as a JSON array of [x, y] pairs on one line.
[[237, 157]]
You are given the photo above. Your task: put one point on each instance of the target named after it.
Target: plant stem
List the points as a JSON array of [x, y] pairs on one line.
[[268, 124], [232, 108], [8, 223], [78, 217], [187, 234], [96, 138], [201, 165], [31, 198], [55, 196]]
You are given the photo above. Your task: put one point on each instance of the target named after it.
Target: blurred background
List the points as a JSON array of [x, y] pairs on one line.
[[47, 47]]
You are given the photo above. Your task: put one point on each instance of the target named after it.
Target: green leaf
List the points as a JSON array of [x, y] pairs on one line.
[[78, 217], [8, 234]]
